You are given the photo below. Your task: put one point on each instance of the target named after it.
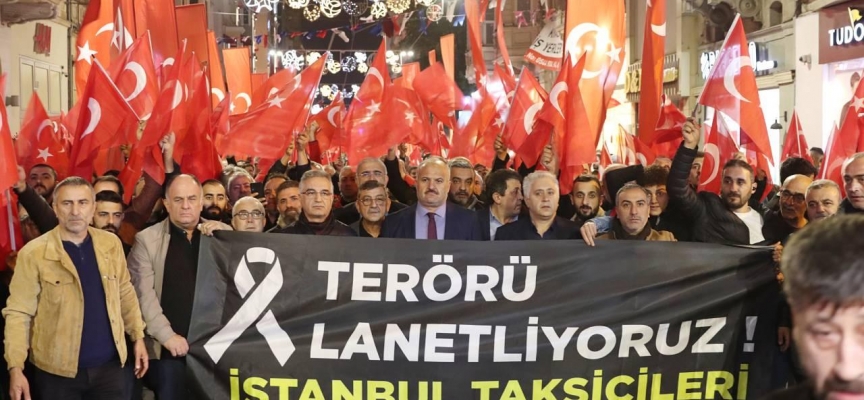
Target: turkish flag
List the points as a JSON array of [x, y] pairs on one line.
[[40, 141], [439, 93], [135, 76], [644, 153], [502, 43], [10, 225], [795, 144], [214, 69], [266, 130], [124, 27], [269, 87], [329, 122], [472, 17], [626, 147], [409, 73], [204, 161], [670, 124], [8, 165], [731, 89], [841, 145], [653, 52], [238, 72], [719, 149], [158, 17], [105, 115], [407, 120], [465, 138], [527, 101], [597, 30], [365, 120], [605, 159], [94, 40], [192, 26]]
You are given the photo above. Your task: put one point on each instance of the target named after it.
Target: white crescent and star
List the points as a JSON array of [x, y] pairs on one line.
[[276, 101], [44, 154], [330, 114], [712, 150], [43, 125], [572, 43], [374, 108], [140, 79], [95, 116], [553, 95], [85, 53], [734, 67], [530, 116], [374, 72], [246, 98], [220, 95], [178, 95]]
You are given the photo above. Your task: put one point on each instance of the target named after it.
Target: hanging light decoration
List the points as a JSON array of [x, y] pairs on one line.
[[355, 8], [333, 66], [334, 90], [292, 60], [298, 4], [434, 13], [360, 56], [349, 64], [326, 91], [398, 6], [379, 10], [424, 3], [362, 68], [331, 8], [312, 13], [312, 56]]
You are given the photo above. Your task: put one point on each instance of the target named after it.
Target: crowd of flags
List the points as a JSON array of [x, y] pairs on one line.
[[145, 68]]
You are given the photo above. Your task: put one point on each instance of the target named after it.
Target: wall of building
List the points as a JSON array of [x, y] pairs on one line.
[[808, 81]]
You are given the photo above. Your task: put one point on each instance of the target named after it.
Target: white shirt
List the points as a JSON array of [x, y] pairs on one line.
[[753, 220]]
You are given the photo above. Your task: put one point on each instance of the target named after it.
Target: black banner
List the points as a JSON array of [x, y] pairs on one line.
[[303, 317]]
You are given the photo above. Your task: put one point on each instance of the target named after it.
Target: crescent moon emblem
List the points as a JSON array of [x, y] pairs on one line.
[[553, 95], [178, 95], [245, 97], [272, 92], [735, 66], [374, 72], [140, 79], [659, 30], [168, 61], [220, 95], [109, 27], [42, 126], [572, 43], [330, 113], [530, 116], [95, 116], [712, 150]]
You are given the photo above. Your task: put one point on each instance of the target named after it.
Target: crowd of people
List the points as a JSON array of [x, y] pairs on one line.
[[88, 252]]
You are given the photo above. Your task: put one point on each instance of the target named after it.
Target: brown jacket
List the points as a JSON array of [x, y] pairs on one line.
[[654, 236], [45, 310]]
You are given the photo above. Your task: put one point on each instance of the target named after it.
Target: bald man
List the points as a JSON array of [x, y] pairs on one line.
[[793, 210], [433, 218]]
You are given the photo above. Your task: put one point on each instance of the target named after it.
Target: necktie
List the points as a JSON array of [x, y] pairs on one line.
[[432, 230]]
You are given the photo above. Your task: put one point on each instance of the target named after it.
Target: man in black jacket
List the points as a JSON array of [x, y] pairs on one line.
[[369, 169], [793, 208], [316, 196], [727, 218], [853, 180], [541, 196]]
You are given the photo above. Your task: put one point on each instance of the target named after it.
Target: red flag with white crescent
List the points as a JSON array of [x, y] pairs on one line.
[[365, 120], [795, 144], [40, 141], [238, 72], [135, 75], [720, 147], [329, 122], [527, 101], [653, 52], [94, 40]]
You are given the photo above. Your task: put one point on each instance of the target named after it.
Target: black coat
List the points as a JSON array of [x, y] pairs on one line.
[[461, 224], [846, 208], [330, 227], [348, 214], [712, 222]]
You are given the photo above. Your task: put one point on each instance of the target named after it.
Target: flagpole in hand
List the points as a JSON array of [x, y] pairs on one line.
[[11, 224]]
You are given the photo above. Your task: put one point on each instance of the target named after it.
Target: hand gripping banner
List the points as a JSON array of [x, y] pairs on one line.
[[307, 317]]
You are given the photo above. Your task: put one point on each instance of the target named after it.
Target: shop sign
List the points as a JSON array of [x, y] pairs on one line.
[[841, 32], [633, 79], [758, 52]]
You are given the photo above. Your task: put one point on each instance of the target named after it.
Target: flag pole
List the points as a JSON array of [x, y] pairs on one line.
[[11, 223]]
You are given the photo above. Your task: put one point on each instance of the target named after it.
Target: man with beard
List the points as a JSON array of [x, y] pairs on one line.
[[215, 201], [696, 170], [109, 213], [316, 198], [42, 179], [248, 215], [372, 203], [271, 184], [825, 289], [823, 200], [504, 196], [632, 212], [725, 219], [793, 207], [288, 204], [239, 185], [541, 193], [462, 184], [369, 169], [586, 198], [853, 180], [347, 185], [816, 154], [433, 218]]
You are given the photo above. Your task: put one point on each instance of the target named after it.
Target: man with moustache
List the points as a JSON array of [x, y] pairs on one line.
[[853, 181], [793, 208], [109, 214], [462, 177], [316, 198], [372, 203], [586, 198], [825, 290], [823, 200], [248, 215], [288, 204], [369, 169], [541, 193], [504, 196], [433, 218], [239, 185], [271, 185], [42, 179], [632, 211], [215, 201]]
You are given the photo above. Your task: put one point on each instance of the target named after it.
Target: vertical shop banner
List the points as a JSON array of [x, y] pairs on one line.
[[309, 317]]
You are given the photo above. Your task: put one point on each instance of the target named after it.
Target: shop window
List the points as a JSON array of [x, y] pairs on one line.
[[775, 14]]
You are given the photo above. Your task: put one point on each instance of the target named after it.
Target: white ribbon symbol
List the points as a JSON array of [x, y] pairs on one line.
[[256, 303]]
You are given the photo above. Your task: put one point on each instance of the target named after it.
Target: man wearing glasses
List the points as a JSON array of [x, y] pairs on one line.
[[793, 209], [248, 215], [369, 169], [372, 204], [316, 218]]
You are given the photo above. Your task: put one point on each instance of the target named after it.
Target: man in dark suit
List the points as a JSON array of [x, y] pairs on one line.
[[433, 217], [504, 196]]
